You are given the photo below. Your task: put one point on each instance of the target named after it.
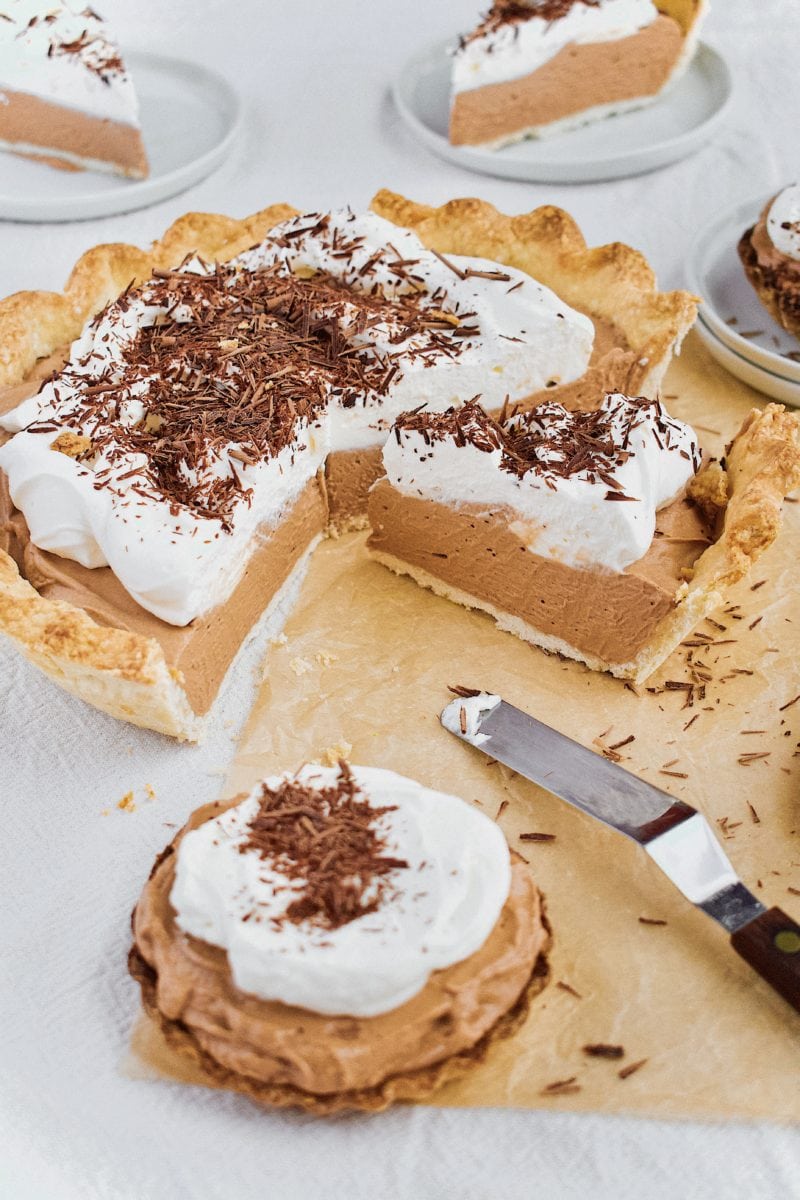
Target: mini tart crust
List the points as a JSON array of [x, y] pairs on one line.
[[126, 674], [746, 496]]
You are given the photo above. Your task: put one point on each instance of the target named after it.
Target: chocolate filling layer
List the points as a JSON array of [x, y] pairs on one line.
[[580, 77], [32, 122], [600, 613]]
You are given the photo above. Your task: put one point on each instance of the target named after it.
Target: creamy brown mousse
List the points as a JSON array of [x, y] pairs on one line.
[[606, 616], [58, 135], [243, 1040], [578, 78], [475, 556], [774, 275]]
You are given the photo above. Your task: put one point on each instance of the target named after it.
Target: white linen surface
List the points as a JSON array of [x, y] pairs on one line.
[[320, 131]]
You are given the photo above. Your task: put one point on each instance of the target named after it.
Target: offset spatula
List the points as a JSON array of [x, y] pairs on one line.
[[674, 834]]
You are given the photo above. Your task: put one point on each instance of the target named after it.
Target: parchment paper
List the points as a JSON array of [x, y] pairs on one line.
[[367, 660]]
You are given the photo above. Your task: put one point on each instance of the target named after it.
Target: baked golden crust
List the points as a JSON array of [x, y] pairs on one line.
[[613, 282], [415, 1085], [126, 674], [685, 12]]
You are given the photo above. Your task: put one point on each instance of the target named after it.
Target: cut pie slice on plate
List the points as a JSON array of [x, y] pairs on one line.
[[166, 482], [66, 97], [533, 68]]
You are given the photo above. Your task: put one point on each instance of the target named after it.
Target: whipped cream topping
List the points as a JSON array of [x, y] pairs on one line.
[[783, 222], [580, 488], [199, 438], [64, 53], [463, 716], [517, 39], [434, 910], [515, 336]]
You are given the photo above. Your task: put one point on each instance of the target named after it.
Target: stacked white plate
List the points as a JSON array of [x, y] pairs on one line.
[[733, 323]]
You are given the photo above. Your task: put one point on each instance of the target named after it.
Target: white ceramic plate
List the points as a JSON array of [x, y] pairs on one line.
[[715, 272], [190, 116], [681, 121], [779, 387]]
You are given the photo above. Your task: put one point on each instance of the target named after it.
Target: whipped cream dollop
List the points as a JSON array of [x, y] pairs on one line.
[[580, 488], [65, 53], [477, 328], [435, 910], [783, 222], [501, 49], [463, 716]]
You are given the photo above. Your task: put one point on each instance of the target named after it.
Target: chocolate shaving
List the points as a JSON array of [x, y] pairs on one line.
[[326, 839], [631, 1068], [241, 365], [602, 1050]]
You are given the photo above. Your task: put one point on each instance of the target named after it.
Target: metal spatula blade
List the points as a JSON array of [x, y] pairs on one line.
[[677, 837]]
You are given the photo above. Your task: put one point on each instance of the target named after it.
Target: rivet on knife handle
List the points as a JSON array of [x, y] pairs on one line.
[[771, 945]]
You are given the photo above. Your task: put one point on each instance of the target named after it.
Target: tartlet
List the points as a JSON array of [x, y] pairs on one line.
[[770, 254], [384, 991]]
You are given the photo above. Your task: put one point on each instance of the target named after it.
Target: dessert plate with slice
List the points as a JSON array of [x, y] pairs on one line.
[[734, 324], [189, 119], [682, 120]]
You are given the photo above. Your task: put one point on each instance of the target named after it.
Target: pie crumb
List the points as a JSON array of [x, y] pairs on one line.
[[127, 803], [325, 658], [71, 444], [300, 666], [339, 750]]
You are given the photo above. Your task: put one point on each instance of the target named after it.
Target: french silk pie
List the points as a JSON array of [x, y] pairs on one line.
[[340, 938], [226, 403], [533, 68], [770, 254], [66, 97]]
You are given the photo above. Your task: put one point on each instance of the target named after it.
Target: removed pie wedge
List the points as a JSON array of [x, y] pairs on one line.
[[66, 97], [533, 68]]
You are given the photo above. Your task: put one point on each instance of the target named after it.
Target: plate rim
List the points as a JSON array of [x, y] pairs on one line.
[[143, 192], [615, 165], [790, 388], [767, 360]]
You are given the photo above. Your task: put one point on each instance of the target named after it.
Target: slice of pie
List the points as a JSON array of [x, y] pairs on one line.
[[166, 478], [533, 68], [770, 254], [592, 535], [66, 97], [340, 938]]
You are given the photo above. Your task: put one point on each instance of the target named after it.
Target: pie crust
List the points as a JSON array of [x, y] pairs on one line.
[[126, 674]]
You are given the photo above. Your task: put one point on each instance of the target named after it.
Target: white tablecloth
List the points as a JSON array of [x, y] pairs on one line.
[[320, 131]]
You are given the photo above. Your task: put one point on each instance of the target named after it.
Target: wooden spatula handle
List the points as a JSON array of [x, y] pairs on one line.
[[771, 945]]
